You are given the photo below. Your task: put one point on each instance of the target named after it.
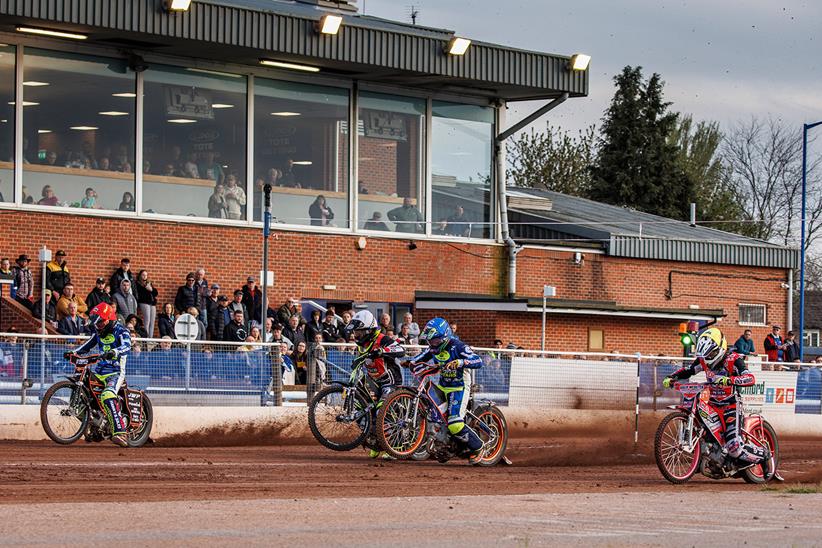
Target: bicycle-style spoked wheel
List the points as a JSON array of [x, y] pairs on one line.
[[400, 430], [64, 413], [675, 460], [494, 436], [338, 419]]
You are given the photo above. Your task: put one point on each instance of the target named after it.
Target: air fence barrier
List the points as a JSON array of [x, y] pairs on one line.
[[206, 373]]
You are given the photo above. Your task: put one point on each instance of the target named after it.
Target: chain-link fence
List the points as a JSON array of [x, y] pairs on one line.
[[253, 374]]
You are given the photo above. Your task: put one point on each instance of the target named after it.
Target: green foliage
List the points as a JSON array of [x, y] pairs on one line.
[[636, 164], [552, 160]]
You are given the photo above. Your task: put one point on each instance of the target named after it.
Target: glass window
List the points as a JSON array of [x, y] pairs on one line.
[[752, 314], [391, 139], [301, 149], [462, 139], [194, 143], [6, 123], [78, 130]]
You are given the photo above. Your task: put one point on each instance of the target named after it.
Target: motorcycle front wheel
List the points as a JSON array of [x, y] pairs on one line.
[[330, 422], [64, 412], [674, 461]]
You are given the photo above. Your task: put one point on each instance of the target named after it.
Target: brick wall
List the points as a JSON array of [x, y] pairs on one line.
[[388, 271]]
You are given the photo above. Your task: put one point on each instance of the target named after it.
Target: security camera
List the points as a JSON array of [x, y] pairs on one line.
[[785, 286], [137, 63]]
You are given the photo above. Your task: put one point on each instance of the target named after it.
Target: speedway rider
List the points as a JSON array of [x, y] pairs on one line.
[[114, 342], [454, 358], [726, 371], [379, 353]]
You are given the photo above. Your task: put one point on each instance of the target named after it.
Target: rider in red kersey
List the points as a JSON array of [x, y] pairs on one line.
[[726, 371]]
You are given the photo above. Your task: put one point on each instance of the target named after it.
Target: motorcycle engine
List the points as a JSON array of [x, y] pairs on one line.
[[442, 445], [712, 460]]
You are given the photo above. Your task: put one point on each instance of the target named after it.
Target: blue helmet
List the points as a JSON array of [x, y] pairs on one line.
[[438, 334]]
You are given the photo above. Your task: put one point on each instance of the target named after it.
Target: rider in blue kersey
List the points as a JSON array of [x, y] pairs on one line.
[[455, 358], [114, 342]]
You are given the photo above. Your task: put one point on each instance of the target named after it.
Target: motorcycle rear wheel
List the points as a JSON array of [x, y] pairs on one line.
[[678, 466], [324, 411], [139, 437], [64, 413], [396, 435], [754, 473], [498, 439]]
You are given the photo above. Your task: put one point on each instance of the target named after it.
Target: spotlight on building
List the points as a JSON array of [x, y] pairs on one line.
[[579, 61], [177, 5], [458, 46], [329, 24]]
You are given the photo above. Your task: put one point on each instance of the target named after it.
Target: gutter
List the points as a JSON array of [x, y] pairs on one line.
[[502, 183]]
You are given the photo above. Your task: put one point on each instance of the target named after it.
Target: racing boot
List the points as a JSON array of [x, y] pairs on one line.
[[119, 439], [766, 465]]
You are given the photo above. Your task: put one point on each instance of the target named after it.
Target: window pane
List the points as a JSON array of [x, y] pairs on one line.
[[78, 127], [194, 143], [461, 162], [390, 163], [301, 149], [6, 123]]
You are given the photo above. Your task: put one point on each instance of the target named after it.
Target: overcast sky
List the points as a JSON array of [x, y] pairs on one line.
[[721, 60]]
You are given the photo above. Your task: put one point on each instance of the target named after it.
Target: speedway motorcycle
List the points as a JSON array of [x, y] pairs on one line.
[[411, 419], [690, 440], [72, 408], [342, 415]]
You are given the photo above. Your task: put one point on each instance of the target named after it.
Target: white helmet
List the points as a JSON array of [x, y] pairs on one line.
[[363, 325]]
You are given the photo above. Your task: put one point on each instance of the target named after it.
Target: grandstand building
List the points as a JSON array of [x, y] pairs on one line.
[[140, 132]]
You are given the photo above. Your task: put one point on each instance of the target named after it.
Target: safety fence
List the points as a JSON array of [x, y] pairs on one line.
[[204, 373]]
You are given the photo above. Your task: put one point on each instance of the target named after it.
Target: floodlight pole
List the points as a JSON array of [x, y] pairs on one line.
[[266, 234], [805, 129]]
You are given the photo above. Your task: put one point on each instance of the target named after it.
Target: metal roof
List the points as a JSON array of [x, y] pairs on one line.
[[366, 48], [624, 232]]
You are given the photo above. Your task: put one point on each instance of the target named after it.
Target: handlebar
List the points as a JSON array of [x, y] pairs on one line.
[[83, 361]]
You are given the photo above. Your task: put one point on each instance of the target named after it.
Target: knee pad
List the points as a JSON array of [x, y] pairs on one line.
[[107, 394], [456, 427]]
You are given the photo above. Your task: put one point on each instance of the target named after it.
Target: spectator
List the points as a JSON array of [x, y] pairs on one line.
[[253, 299], [454, 328], [375, 223], [187, 295], [217, 205], [58, 273], [104, 164], [385, 322], [203, 290], [405, 336], [89, 201], [98, 294], [51, 307], [287, 177], [235, 331], [127, 203], [346, 319], [299, 357], [407, 217], [48, 197], [165, 322], [212, 304], [457, 224], [72, 323], [211, 169], [362, 188], [277, 336], [201, 329], [744, 344], [773, 344], [237, 303], [330, 331], [287, 364], [23, 282], [413, 327], [288, 309], [67, 297], [122, 273], [27, 198], [222, 317], [135, 326], [124, 299], [791, 348], [235, 198], [190, 166], [294, 331], [315, 326], [146, 295], [320, 212]]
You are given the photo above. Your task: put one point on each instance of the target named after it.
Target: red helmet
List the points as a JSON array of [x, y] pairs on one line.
[[101, 316]]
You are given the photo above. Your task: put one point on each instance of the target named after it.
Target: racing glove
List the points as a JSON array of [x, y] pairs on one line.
[[376, 353], [110, 355], [453, 364], [722, 381], [68, 355], [667, 382]]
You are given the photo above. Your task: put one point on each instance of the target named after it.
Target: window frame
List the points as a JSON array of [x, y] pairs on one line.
[[763, 307], [591, 331]]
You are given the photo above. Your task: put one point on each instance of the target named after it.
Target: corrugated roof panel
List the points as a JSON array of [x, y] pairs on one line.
[[703, 252]]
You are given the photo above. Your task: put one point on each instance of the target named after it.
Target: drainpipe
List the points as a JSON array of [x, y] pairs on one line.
[[502, 183], [790, 300]]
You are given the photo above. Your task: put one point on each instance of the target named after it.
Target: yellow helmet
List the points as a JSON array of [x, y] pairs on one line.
[[711, 346]]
